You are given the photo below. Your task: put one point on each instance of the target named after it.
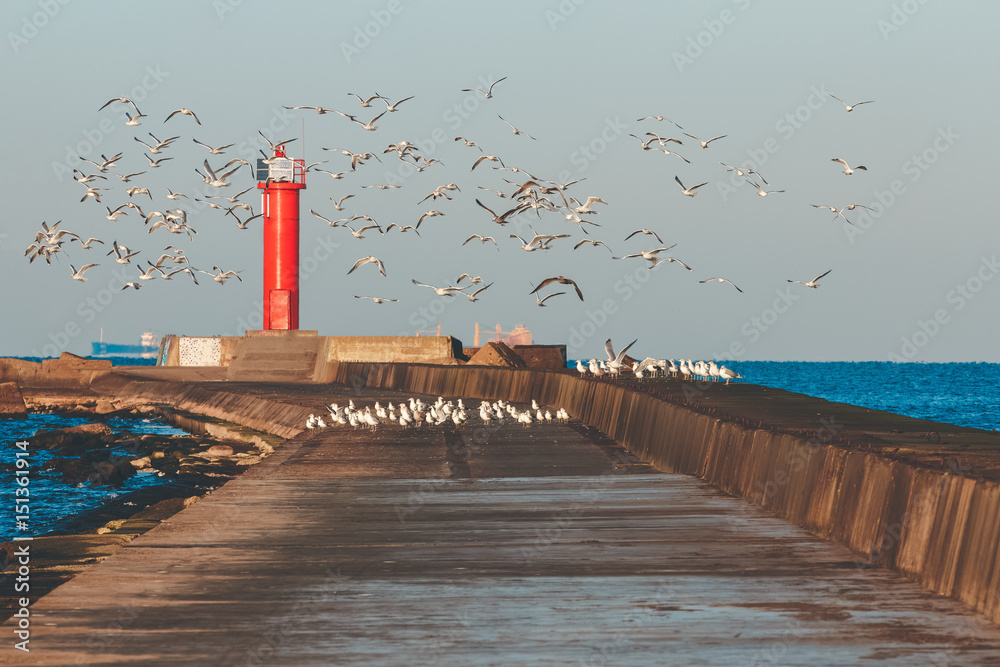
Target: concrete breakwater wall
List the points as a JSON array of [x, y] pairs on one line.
[[255, 412], [938, 528]]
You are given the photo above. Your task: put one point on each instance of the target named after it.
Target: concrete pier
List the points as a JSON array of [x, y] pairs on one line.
[[548, 545]]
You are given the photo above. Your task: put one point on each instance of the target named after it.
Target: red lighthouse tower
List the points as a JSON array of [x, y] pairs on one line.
[[280, 178]]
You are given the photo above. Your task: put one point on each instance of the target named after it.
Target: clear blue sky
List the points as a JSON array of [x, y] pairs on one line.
[[916, 279]]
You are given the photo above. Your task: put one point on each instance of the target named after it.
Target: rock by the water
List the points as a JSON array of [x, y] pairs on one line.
[[11, 401], [96, 472]]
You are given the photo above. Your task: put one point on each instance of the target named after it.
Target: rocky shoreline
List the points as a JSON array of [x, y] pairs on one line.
[[96, 455]]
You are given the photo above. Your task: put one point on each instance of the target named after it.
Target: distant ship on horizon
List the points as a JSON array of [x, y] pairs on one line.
[[149, 345]]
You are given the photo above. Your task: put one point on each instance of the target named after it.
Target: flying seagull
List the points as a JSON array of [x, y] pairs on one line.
[[392, 107], [370, 259], [214, 151], [78, 275], [186, 112], [319, 110], [847, 168], [704, 144], [339, 203], [365, 103], [659, 118], [370, 125], [541, 300], [562, 280], [440, 291], [275, 144], [491, 158], [123, 100], [482, 239], [812, 283], [690, 192], [648, 232], [472, 297], [516, 131], [502, 218], [850, 107], [488, 93], [593, 242], [648, 255], [721, 280], [376, 299], [761, 192]]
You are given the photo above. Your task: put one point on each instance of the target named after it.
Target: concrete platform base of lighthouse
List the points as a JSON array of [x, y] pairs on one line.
[[301, 356]]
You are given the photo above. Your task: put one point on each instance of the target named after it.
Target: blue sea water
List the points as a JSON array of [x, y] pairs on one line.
[[52, 504], [966, 394]]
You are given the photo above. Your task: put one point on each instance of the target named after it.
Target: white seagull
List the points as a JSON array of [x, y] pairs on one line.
[[593, 242], [850, 107], [847, 168], [186, 112], [761, 192], [78, 275], [540, 300], [123, 100], [704, 144], [370, 259], [113, 215], [339, 203], [440, 291], [488, 93], [472, 297], [365, 103], [690, 192], [659, 118], [648, 255], [812, 283], [210, 177], [370, 125], [721, 280], [222, 276], [482, 239], [615, 360], [214, 151], [648, 232], [588, 206], [516, 131], [375, 299]]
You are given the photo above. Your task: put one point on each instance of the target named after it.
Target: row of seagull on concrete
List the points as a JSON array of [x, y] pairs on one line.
[[668, 368], [650, 367], [416, 412]]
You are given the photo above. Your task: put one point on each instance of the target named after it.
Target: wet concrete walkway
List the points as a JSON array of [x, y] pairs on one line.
[[504, 546]]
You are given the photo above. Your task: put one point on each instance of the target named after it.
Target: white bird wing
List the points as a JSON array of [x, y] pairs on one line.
[[816, 279], [360, 262], [621, 355], [209, 171]]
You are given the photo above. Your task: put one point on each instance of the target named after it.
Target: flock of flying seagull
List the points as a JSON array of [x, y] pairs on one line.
[[416, 413], [50, 240], [524, 195]]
